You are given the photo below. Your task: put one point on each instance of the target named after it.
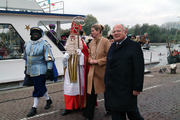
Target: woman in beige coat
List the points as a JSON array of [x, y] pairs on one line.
[[98, 49]]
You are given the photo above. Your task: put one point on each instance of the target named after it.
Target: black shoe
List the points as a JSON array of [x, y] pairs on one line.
[[107, 113], [32, 112], [48, 103], [66, 112], [88, 119]]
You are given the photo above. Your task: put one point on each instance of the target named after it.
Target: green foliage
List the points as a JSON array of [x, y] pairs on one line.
[[137, 29], [173, 31], [106, 30], [90, 20], [64, 31], [144, 28], [163, 38], [154, 33], [130, 31]]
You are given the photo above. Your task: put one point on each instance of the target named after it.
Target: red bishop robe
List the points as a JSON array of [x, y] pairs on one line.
[[73, 102]]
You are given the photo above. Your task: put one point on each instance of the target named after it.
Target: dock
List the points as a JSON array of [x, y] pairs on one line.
[[160, 100]]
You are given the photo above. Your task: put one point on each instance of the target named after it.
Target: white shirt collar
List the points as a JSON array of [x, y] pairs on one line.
[[121, 41]]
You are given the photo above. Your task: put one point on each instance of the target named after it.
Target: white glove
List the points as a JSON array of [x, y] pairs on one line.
[[66, 56], [78, 51]]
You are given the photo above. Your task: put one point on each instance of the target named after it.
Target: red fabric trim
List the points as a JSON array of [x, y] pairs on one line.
[[73, 102], [85, 51]]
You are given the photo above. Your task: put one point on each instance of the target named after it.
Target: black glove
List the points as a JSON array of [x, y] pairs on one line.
[[28, 76], [48, 74]]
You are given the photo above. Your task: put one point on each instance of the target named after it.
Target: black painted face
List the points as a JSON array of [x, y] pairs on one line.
[[35, 35]]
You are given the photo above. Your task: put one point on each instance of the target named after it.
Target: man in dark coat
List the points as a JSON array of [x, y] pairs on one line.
[[124, 76]]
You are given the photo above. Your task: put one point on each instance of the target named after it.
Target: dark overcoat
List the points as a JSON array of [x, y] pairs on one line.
[[124, 73]]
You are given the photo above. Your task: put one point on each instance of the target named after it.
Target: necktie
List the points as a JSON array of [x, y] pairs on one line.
[[117, 45]]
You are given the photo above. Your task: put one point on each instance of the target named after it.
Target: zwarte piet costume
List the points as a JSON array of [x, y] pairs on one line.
[[38, 66]]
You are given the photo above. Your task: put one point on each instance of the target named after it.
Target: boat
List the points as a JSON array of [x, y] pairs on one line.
[[16, 19], [173, 56], [170, 46], [151, 58]]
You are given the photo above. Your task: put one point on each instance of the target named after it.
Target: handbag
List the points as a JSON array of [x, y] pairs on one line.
[[54, 73], [27, 81]]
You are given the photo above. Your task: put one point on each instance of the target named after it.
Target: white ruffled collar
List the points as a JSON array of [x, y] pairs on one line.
[[36, 42]]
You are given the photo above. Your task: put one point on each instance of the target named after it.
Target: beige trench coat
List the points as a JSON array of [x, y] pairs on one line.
[[97, 71]]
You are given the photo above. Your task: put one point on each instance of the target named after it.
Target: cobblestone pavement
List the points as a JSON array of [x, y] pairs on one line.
[[160, 100]]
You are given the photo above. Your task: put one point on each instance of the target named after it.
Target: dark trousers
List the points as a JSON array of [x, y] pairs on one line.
[[104, 105], [90, 106], [132, 115]]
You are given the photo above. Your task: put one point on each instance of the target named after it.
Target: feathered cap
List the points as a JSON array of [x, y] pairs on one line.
[[50, 25], [37, 29], [110, 36]]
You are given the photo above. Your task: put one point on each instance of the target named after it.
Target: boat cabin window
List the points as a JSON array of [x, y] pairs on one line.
[[11, 43]]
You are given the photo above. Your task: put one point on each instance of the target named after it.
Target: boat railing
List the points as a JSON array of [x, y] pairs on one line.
[[150, 60], [52, 34], [46, 4]]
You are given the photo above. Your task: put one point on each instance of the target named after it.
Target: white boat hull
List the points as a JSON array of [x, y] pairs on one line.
[[12, 70], [151, 58]]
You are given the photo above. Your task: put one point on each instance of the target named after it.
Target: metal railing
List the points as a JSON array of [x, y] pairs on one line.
[[49, 5]]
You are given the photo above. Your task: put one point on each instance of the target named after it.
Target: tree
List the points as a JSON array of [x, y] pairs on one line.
[[137, 29], [106, 30], [64, 31], [173, 31], [163, 38], [144, 28], [164, 31], [130, 31], [154, 33], [90, 20]]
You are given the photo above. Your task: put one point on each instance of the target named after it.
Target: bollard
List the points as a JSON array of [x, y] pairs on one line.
[[173, 68]]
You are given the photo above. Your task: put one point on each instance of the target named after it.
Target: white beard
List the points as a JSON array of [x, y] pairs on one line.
[[72, 45]]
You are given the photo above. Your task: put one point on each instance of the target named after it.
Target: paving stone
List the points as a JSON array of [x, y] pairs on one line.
[[160, 100]]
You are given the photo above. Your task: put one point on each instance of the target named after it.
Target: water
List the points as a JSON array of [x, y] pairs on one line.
[[163, 50]]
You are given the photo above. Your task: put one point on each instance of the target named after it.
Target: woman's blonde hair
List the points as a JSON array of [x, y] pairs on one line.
[[98, 27]]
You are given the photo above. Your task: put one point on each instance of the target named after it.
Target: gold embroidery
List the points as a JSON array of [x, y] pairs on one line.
[[37, 48], [35, 56], [39, 70], [72, 68], [45, 44], [49, 57]]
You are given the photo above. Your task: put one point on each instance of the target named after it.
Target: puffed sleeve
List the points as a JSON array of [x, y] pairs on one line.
[[65, 60], [48, 56], [81, 59]]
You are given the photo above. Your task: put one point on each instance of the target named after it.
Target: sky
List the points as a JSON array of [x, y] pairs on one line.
[[127, 12]]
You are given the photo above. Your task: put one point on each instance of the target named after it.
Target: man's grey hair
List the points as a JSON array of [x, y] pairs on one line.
[[121, 25], [145, 33]]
